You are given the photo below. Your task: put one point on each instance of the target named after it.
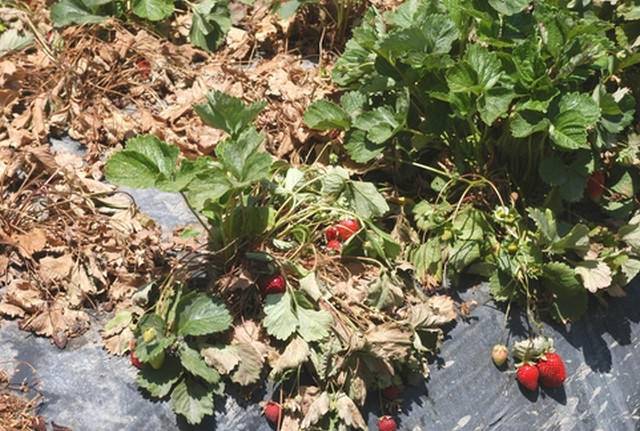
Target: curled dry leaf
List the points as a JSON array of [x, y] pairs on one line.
[[55, 268], [349, 412], [243, 358], [389, 341], [436, 311], [295, 354], [318, 408], [290, 423], [57, 319]]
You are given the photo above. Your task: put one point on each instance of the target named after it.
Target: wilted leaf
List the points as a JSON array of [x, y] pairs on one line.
[[437, 311], [389, 341], [595, 275], [294, 355], [224, 359], [33, 241], [349, 412], [250, 366], [55, 268], [318, 409]]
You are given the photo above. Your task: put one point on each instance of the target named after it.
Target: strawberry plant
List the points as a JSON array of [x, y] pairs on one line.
[[210, 22], [512, 122], [279, 304]]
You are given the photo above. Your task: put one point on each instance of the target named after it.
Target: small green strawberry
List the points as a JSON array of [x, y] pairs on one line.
[[157, 361]]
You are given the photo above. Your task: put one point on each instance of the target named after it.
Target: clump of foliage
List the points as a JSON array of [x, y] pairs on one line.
[[518, 115], [504, 132], [211, 19], [351, 334]]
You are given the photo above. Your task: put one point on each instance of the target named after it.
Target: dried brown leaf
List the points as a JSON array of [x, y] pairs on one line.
[[349, 412], [32, 241], [294, 355], [318, 408], [436, 311], [389, 341], [55, 268]]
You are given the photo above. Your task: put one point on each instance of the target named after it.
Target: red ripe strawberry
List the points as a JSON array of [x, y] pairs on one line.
[[334, 244], [552, 370], [331, 233], [595, 185], [134, 360], [274, 284], [346, 228], [273, 411], [387, 423], [527, 376], [391, 392]]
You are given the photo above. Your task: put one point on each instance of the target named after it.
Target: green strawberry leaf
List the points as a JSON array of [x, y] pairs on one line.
[[145, 351], [210, 23], [131, 169], [153, 10], [200, 314], [207, 187], [326, 115], [280, 319], [228, 113], [67, 12], [495, 104], [365, 199], [242, 156], [380, 124], [570, 297], [193, 362], [480, 71], [193, 400], [576, 114], [360, 149], [159, 382], [146, 162], [509, 7], [313, 325], [162, 155]]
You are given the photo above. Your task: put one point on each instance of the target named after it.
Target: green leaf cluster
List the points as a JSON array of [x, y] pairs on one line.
[[182, 374], [211, 19]]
